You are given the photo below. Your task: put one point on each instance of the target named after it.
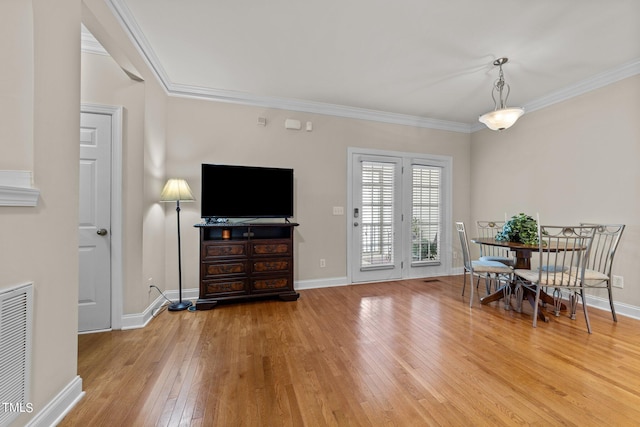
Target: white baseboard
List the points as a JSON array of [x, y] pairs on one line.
[[59, 406], [140, 320], [621, 308], [321, 283]]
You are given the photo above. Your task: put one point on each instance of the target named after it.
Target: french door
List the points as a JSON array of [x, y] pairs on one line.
[[376, 215], [399, 208]]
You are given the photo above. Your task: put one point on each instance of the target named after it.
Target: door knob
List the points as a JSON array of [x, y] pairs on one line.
[[355, 224], [102, 232]]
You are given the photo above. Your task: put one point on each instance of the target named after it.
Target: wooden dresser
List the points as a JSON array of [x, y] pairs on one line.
[[245, 261]]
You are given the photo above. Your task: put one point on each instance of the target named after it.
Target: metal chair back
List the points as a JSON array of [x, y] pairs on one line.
[[604, 247]]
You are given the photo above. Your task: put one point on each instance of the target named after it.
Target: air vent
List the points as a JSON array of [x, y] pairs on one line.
[[15, 351]]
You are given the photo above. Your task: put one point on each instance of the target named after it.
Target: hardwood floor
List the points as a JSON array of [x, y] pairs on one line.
[[406, 353]]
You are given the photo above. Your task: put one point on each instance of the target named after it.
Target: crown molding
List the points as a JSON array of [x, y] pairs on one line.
[[130, 26], [125, 18], [587, 85], [218, 95]]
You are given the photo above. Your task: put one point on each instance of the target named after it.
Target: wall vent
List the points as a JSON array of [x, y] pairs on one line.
[[16, 314]]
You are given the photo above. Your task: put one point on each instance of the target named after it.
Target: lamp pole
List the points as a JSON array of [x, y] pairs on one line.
[[180, 305], [174, 191]]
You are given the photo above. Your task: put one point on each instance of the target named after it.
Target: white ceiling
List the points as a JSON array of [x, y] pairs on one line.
[[409, 59]]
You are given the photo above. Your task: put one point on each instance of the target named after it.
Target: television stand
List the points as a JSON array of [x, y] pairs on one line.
[[245, 262]]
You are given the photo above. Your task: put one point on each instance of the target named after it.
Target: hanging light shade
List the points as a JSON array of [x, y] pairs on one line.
[[501, 117]]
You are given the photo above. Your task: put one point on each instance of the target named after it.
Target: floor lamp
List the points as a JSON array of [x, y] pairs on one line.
[[176, 190]]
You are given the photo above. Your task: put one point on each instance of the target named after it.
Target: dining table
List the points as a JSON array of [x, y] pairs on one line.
[[523, 253]]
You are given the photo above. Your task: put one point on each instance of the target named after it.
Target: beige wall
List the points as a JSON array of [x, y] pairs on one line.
[[200, 131], [548, 163], [39, 244], [104, 82], [571, 162], [16, 85]]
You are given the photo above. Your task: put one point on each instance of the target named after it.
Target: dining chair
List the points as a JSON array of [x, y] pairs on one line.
[[563, 253], [598, 272], [489, 229], [488, 270]]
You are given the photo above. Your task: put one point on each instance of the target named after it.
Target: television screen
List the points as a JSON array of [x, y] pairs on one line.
[[246, 192]]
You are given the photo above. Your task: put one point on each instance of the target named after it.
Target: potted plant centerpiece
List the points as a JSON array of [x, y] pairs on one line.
[[520, 228]]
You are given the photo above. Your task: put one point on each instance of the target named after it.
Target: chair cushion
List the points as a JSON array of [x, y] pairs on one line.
[[591, 274], [558, 279], [554, 268], [490, 267], [501, 259]]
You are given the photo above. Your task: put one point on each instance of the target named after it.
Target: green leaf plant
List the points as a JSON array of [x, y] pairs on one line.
[[520, 228]]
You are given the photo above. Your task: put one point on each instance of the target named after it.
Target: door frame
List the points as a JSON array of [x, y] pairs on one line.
[[446, 260], [117, 272]]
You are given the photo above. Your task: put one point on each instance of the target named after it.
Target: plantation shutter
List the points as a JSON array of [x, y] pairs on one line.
[[377, 214], [426, 214]]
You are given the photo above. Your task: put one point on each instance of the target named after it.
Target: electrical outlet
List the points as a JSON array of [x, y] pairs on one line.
[[323, 263], [618, 282]]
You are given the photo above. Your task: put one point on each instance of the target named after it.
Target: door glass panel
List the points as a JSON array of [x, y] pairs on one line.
[[377, 246], [425, 219]]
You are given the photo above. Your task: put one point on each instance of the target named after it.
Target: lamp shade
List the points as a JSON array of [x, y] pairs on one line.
[[176, 190], [501, 119]]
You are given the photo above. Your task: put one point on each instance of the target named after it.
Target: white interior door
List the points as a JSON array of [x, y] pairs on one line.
[[94, 297], [376, 218]]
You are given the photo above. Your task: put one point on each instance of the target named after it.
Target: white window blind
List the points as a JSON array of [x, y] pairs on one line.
[[377, 213], [426, 217]]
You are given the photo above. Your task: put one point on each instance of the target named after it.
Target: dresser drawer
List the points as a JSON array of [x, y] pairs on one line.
[[210, 270], [224, 287], [271, 284], [215, 250], [271, 265], [271, 248]]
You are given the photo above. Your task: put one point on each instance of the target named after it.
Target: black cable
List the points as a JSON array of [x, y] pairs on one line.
[[163, 306]]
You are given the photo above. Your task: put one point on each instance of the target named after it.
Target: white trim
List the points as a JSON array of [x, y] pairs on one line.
[[330, 282], [621, 308], [16, 189], [242, 98], [584, 86], [125, 18], [117, 271], [140, 320], [54, 411]]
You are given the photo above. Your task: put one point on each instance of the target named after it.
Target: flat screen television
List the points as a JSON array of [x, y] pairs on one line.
[[246, 192]]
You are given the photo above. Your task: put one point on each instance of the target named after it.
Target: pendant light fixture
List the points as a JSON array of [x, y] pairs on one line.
[[501, 117]]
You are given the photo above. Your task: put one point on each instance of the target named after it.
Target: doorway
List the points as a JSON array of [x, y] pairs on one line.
[[100, 219], [399, 215]]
